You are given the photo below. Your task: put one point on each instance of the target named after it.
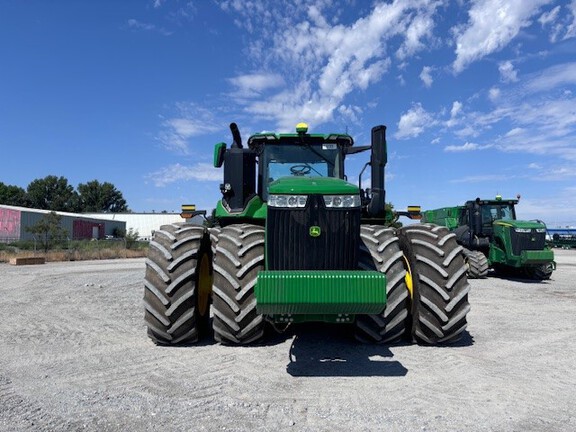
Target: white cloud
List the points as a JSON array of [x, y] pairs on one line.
[[456, 108], [414, 122], [178, 173], [252, 85], [463, 148], [426, 76], [494, 94], [492, 25], [419, 30], [552, 77], [542, 127], [350, 112], [515, 132], [141, 26], [189, 121], [571, 29], [454, 112], [540, 208], [558, 173], [549, 17], [138, 25], [482, 178], [324, 61], [507, 72]]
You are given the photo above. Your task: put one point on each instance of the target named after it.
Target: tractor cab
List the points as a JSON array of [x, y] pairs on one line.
[[480, 215], [295, 166], [298, 155]]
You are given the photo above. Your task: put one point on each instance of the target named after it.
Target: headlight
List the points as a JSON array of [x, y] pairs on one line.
[[287, 200], [522, 230], [342, 201]]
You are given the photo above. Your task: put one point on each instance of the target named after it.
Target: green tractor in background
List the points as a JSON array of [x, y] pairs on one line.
[[492, 237], [294, 242]]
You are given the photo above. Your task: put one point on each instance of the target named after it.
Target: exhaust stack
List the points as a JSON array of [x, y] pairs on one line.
[[236, 138], [378, 160]]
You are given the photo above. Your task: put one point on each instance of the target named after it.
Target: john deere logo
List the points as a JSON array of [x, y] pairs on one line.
[[315, 231]]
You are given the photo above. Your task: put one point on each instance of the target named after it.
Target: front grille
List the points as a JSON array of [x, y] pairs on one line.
[[291, 247], [527, 241]]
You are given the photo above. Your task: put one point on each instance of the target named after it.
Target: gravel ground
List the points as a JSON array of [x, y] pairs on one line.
[[74, 355]]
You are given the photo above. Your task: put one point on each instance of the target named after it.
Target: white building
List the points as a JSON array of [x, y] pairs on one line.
[[145, 223]]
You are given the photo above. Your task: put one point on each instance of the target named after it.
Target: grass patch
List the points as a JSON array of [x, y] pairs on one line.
[[76, 250]]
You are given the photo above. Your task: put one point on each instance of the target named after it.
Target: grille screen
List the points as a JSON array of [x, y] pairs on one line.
[[527, 241], [291, 247]]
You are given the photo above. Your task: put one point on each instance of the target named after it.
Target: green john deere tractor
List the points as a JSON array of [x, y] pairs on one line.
[[493, 237], [295, 242]]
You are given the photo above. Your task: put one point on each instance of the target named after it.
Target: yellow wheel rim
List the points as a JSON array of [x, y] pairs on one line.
[[408, 278], [204, 285]]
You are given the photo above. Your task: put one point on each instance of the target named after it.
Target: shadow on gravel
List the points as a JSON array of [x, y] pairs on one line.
[[465, 341], [518, 277], [327, 350]]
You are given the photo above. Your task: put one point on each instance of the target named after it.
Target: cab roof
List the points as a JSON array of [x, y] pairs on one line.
[[257, 140]]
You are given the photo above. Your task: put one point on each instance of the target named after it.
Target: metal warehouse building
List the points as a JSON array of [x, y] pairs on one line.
[[142, 223], [145, 223], [14, 222]]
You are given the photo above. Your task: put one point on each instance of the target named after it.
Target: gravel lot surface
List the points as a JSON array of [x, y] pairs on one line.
[[74, 355]]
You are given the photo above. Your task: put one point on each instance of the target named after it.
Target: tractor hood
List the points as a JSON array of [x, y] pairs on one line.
[[312, 185], [520, 224]]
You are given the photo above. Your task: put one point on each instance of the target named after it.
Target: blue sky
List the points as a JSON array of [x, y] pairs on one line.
[[478, 96]]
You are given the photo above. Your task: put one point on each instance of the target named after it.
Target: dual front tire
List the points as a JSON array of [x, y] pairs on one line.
[[177, 284], [427, 288]]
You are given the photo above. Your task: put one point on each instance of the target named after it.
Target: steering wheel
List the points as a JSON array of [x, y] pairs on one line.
[[300, 170]]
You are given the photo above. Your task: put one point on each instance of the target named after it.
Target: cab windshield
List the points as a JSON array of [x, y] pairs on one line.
[[317, 160], [493, 212]]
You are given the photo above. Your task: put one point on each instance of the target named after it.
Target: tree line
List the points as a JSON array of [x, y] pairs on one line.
[[56, 194]]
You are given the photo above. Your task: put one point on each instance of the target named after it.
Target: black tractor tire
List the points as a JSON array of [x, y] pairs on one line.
[[541, 272], [177, 284], [477, 264], [239, 257], [440, 286], [380, 251], [214, 233]]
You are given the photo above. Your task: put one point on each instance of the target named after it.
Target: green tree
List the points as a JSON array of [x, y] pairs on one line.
[[99, 197], [391, 216], [48, 230], [130, 238], [12, 195], [52, 193]]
